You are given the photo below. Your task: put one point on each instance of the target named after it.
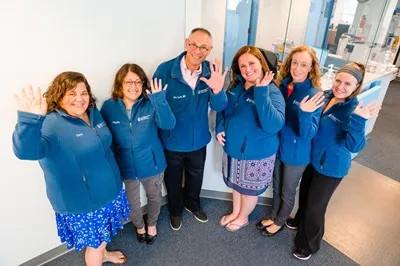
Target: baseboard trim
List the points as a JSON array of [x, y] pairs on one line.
[[62, 249]]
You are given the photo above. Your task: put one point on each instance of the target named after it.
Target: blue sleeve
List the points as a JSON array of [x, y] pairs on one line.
[[165, 118], [219, 123], [270, 107], [308, 123], [28, 142], [355, 135], [218, 101]]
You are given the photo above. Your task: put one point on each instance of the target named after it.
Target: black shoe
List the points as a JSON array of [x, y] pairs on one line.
[[265, 232], [199, 215], [292, 224], [175, 222], [150, 239], [141, 237], [301, 254]]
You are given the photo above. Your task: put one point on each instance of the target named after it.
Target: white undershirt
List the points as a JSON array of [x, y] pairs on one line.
[[188, 76]]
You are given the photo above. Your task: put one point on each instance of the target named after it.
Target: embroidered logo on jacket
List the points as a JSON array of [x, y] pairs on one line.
[[78, 135], [116, 122], [334, 118], [100, 125], [141, 118], [179, 97], [250, 101], [295, 102], [202, 91]]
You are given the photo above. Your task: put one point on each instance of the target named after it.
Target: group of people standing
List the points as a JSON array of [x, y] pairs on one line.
[[155, 131]]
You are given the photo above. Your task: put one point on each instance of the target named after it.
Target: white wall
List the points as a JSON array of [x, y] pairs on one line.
[[39, 39]]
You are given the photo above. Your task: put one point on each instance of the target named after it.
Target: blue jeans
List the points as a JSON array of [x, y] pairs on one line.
[[286, 178]]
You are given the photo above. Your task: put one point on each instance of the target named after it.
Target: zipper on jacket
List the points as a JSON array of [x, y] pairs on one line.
[[322, 160], [154, 159], [243, 147]]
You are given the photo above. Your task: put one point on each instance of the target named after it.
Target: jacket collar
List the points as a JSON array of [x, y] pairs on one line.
[[176, 68], [298, 85], [61, 112]]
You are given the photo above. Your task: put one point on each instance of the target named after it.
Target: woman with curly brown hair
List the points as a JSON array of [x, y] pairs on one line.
[[66, 133], [299, 82]]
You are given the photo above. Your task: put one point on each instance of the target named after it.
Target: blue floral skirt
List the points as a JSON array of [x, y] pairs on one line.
[[248, 177], [92, 228]]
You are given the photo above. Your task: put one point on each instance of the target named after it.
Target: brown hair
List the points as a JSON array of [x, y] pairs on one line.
[[62, 83], [360, 67], [120, 76], [315, 73], [235, 63]]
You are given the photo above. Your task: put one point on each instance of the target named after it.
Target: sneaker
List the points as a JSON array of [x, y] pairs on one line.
[[301, 254], [199, 215], [175, 222], [291, 223]]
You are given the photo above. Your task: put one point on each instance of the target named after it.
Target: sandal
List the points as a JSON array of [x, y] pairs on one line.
[[233, 227]]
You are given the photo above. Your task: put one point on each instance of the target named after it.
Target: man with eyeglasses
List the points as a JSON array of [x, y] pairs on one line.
[[193, 85]]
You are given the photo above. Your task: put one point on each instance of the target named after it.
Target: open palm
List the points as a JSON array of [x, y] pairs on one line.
[[31, 101]]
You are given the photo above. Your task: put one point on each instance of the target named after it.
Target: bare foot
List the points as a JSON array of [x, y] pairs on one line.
[[140, 230], [273, 228], [236, 225], [267, 222], [152, 230], [226, 219], [116, 257]]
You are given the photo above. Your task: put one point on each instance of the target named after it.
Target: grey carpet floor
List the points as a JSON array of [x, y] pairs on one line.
[[210, 244], [383, 149]]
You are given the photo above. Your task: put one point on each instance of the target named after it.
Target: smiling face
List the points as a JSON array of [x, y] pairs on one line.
[[132, 87], [300, 66], [76, 100], [250, 68], [198, 46], [344, 85]]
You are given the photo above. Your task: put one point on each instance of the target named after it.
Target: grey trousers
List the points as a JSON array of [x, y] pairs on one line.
[[152, 187], [286, 178]]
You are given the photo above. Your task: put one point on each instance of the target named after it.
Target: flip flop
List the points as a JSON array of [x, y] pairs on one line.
[[238, 227], [222, 221]]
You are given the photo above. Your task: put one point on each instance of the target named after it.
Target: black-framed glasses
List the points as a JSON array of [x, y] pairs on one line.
[[202, 48]]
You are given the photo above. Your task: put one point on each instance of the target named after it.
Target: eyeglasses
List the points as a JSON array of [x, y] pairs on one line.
[[204, 49], [138, 83], [299, 64]]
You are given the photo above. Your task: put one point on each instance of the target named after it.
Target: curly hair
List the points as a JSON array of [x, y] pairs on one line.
[[117, 92], [62, 83], [315, 73], [235, 69]]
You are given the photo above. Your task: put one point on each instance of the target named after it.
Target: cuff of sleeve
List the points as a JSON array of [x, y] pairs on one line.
[[31, 118]]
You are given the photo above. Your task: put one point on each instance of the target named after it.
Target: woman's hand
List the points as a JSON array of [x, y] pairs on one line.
[[31, 101], [217, 78], [156, 86], [311, 104], [266, 80], [368, 111], [221, 138]]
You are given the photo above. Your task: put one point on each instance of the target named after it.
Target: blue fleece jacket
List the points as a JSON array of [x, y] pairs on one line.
[[300, 127], [79, 167], [136, 143], [251, 121], [340, 133], [190, 107]]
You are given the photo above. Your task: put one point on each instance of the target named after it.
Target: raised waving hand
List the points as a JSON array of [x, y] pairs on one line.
[[217, 78], [31, 101], [311, 104]]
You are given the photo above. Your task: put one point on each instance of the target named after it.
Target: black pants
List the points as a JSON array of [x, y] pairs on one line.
[[187, 194], [315, 192]]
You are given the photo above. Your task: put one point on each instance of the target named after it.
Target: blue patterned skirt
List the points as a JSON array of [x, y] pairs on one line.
[[248, 177], [92, 228]]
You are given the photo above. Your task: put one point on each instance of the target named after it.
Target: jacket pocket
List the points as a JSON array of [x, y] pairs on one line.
[[145, 161]]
